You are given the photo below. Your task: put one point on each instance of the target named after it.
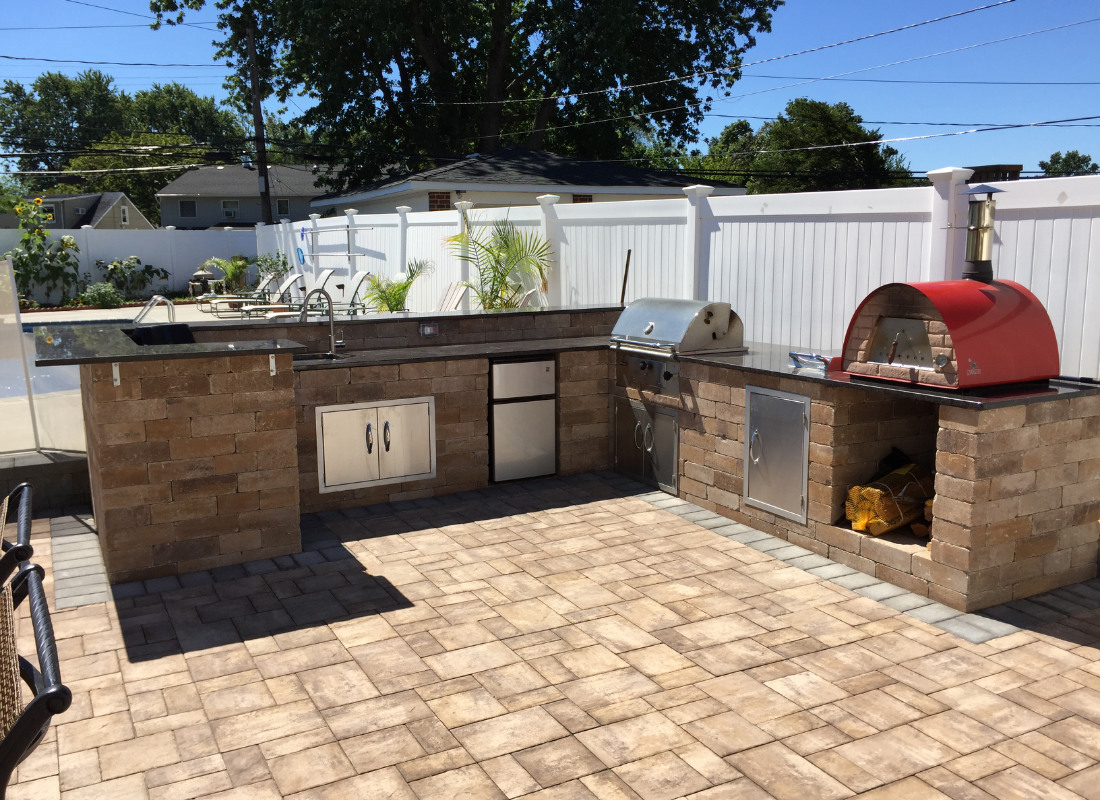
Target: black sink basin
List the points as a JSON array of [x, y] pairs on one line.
[[318, 357], [168, 333]]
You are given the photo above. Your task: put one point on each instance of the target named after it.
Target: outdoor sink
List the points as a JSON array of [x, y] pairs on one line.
[[169, 333], [319, 358]]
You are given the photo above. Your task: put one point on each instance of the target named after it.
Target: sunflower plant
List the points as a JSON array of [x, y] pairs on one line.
[[40, 261]]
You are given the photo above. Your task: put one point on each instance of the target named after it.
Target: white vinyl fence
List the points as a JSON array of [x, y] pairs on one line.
[[794, 267], [180, 252]]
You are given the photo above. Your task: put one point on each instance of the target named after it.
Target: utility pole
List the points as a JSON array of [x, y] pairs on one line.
[[258, 126]]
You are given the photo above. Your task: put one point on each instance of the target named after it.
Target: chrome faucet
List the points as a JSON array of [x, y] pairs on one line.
[[153, 301], [332, 343]]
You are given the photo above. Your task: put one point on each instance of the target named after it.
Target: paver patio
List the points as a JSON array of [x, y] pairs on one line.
[[570, 638]]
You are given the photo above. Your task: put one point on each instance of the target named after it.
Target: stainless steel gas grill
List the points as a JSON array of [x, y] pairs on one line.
[[651, 332], [650, 335]]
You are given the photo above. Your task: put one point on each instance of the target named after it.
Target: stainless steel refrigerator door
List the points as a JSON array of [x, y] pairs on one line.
[[523, 379], [524, 440]]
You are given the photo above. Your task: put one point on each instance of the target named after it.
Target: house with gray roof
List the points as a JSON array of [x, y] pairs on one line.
[[514, 176], [228, 196], [102, 210]]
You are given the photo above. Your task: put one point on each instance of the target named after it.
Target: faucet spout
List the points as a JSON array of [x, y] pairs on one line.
[[331, 320]]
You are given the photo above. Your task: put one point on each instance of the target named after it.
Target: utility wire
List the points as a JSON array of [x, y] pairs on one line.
[[709, 73], [107, 63]]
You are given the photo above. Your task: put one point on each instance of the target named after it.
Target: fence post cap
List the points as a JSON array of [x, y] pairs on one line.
[[949, 175], [697, 190], [548, 199]]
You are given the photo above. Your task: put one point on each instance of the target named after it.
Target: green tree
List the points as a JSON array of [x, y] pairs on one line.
[[57, 117], [119, 154], [1072, 163], [84, 124], [404, 82], [808, 149]]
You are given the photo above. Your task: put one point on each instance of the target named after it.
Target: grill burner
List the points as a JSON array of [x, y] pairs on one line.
[[951, 335]]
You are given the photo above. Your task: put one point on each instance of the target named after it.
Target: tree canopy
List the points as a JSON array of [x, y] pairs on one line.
[[400, 83], [85, 123], [1072, 163], [808, 148]]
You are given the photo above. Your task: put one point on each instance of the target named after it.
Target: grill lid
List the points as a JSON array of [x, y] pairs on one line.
[[653, 325]]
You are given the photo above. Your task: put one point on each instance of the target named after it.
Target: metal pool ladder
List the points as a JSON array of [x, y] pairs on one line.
[[153, 302]]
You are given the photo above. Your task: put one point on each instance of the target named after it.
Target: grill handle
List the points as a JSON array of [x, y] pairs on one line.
[[666, 351]]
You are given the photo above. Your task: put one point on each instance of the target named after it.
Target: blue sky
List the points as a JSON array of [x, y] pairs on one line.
[[116, 31]]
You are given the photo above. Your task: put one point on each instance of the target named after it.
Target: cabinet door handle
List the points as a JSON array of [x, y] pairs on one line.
[[638, 427], [370, 439], [752, 441], [386, 435], [647, 439]]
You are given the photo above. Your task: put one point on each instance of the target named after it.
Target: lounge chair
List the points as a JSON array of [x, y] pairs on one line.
[[235, 305], [260, 293], [352, 306], [283, 306], [452, 297]]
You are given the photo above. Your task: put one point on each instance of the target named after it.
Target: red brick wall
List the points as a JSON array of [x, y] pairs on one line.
[[192, 463]]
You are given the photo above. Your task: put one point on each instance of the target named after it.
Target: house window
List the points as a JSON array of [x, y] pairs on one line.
[[188, 208], [48, 210], [230, 208], [125, 214], [582, 198], [282, 206], [439, 201]]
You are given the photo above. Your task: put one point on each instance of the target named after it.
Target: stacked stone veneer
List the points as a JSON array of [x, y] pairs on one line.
[[1017, 501], [1017, 488], [461, 391], [192, 463], [908, 303], [584, 411]]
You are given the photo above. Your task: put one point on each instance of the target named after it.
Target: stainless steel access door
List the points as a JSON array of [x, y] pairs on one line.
[[647, 443], [404, 433], [777, 442]]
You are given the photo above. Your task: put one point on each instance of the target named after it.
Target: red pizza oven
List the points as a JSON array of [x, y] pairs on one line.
[[958, 334]]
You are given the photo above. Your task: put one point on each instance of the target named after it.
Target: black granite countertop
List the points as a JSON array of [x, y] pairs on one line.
[[90, 344], [405, 355], [775, 359]]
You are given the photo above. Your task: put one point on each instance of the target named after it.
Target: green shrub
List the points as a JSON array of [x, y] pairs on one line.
[[271, 264], [234, 271], [130, 276], [389, 295], [104, 295], [505, 261]]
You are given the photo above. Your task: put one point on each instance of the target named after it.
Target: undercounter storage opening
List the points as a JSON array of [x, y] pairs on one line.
[[857, 438]]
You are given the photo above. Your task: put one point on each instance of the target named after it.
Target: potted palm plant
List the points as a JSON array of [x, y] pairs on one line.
[[507, 262], [390, 294]]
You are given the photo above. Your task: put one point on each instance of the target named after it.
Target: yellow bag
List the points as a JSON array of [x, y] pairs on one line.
[[889, 503]]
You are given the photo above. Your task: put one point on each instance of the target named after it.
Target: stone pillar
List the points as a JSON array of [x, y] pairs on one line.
[[1017, 501]]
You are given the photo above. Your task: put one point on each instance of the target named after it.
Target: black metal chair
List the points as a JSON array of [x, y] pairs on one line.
[[23, 726]]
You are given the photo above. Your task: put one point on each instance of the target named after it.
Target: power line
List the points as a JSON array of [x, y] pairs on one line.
[[931, 82], [106, 63], [709, 73], [134, 13]]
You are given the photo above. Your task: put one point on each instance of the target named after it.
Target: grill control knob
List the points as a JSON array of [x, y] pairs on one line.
[[644, 365], [667, 375]]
